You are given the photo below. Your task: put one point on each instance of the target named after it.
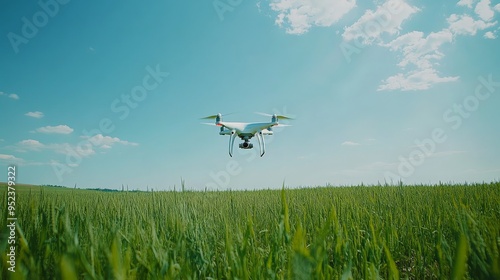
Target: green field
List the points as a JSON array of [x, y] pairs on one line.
[[376, 232]]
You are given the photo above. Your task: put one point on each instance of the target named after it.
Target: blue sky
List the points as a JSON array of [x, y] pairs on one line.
[[101, 94]]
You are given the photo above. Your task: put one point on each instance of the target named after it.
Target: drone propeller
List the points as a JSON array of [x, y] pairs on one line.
[[278, 116], [209, 117], [212, 117]]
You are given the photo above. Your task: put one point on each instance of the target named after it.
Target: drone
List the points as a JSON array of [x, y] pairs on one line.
[[245, 131]]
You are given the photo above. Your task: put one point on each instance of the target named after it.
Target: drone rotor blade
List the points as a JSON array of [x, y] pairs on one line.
[[263, 114], [209, 117], [212, 117], [282, 117]]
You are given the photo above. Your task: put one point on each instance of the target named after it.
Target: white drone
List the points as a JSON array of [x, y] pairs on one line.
[[247, 130]]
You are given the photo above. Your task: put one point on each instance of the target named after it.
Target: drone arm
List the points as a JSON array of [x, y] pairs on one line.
[[232, 136]]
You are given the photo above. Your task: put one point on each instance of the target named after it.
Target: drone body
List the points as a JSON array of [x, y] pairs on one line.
[[245, 131]]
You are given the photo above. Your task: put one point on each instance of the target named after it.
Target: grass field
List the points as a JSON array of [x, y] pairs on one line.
[[377, 232]]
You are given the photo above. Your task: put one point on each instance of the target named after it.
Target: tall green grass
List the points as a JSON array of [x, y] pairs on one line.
[[377, 232]]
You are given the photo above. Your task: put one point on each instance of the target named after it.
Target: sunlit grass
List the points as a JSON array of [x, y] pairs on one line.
[[388, 232]]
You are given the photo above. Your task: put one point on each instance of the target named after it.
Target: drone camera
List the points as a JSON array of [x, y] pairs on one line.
[[246, 145]]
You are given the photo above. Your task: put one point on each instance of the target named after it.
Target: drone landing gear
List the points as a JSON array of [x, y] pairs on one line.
[[262, 144], [231, 142], [247, 145]]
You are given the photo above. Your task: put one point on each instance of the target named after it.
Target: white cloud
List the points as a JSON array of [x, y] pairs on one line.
[[466, 25], [60, 129], [420, 79], [57, 164], [350, 143], [10, 159], [497, 7], [36, 114], [490, 35], [12, 95], [30, 144], [422, 53], [86, 148], [3, 156], [419, 53], [386, 19], [80, 150], [106, 142], [298, 16], [467, 3], [83, 149], [447, 153], [418, 50], [497, 170], [484, 10]]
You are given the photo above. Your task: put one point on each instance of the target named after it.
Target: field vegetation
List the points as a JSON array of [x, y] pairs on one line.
[[443, 231]]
